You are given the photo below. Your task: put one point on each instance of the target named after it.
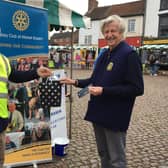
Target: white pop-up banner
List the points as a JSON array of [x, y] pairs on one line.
[[58, 114]]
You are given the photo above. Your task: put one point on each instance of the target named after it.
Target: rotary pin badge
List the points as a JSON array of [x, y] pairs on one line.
[[110, 66]]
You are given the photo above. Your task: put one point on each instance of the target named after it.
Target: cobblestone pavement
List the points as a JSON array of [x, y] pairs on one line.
[[147, 140]]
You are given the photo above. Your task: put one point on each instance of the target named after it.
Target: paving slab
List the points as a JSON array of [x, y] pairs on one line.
[[147, 138]]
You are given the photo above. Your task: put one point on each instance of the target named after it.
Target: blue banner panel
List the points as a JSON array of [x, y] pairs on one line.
[[23, 30]]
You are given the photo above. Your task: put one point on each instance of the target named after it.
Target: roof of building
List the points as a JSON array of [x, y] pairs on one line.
[[124, 10], [64, 35]]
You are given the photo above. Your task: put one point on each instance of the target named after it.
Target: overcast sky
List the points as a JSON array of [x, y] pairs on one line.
[[81, 6]]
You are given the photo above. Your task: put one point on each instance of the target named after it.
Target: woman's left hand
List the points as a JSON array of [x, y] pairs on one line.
[[95, 90]]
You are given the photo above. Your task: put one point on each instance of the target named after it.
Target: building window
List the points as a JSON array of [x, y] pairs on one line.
[[163, 26], [131, 25], [164, 4], [88, 40]]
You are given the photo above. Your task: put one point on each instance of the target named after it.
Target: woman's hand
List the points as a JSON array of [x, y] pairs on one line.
[[95, 90], [67, 81], [44, 72]]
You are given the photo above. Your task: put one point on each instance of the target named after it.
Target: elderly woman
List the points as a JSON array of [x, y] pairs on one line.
[[115, 83]]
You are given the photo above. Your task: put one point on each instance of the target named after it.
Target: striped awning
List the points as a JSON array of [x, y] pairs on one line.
[[59, 14]]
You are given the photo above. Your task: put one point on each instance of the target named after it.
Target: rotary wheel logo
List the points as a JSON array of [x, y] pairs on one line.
[[20, 20]]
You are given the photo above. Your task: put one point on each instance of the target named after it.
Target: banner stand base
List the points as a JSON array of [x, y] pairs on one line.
[[34, 166]]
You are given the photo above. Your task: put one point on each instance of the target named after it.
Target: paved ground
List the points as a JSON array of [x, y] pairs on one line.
[[147, 140]]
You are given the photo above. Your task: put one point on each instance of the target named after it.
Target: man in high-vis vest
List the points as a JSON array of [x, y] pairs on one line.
[[9, 74]]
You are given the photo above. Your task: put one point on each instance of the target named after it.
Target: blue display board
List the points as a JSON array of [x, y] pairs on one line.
[[23, 30]]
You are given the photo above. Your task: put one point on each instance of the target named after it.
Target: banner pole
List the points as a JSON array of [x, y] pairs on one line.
[[71, 76]]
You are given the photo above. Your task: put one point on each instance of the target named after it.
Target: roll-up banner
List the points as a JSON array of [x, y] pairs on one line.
[[23, 35]]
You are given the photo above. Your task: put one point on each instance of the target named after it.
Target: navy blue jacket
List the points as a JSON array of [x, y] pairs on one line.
[[121, 84], [22, 76]]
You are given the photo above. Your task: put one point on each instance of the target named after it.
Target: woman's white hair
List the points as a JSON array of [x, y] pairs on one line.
[[114, 18]]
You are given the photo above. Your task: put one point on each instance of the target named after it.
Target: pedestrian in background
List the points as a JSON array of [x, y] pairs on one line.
[[14, 76], [153, 63], [116, 82]]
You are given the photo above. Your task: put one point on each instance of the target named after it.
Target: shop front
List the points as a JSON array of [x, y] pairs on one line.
[[160, 48], [133, 41]]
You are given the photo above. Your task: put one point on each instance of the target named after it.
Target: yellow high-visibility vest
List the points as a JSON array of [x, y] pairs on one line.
[[50, 63], [5, 70]]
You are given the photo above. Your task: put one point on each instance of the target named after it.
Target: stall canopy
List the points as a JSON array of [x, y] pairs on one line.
[[59, 14], [157, 46]]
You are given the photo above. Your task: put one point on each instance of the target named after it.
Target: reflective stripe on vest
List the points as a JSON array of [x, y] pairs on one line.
[[5, 70], [4, 79], [3, 95]]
